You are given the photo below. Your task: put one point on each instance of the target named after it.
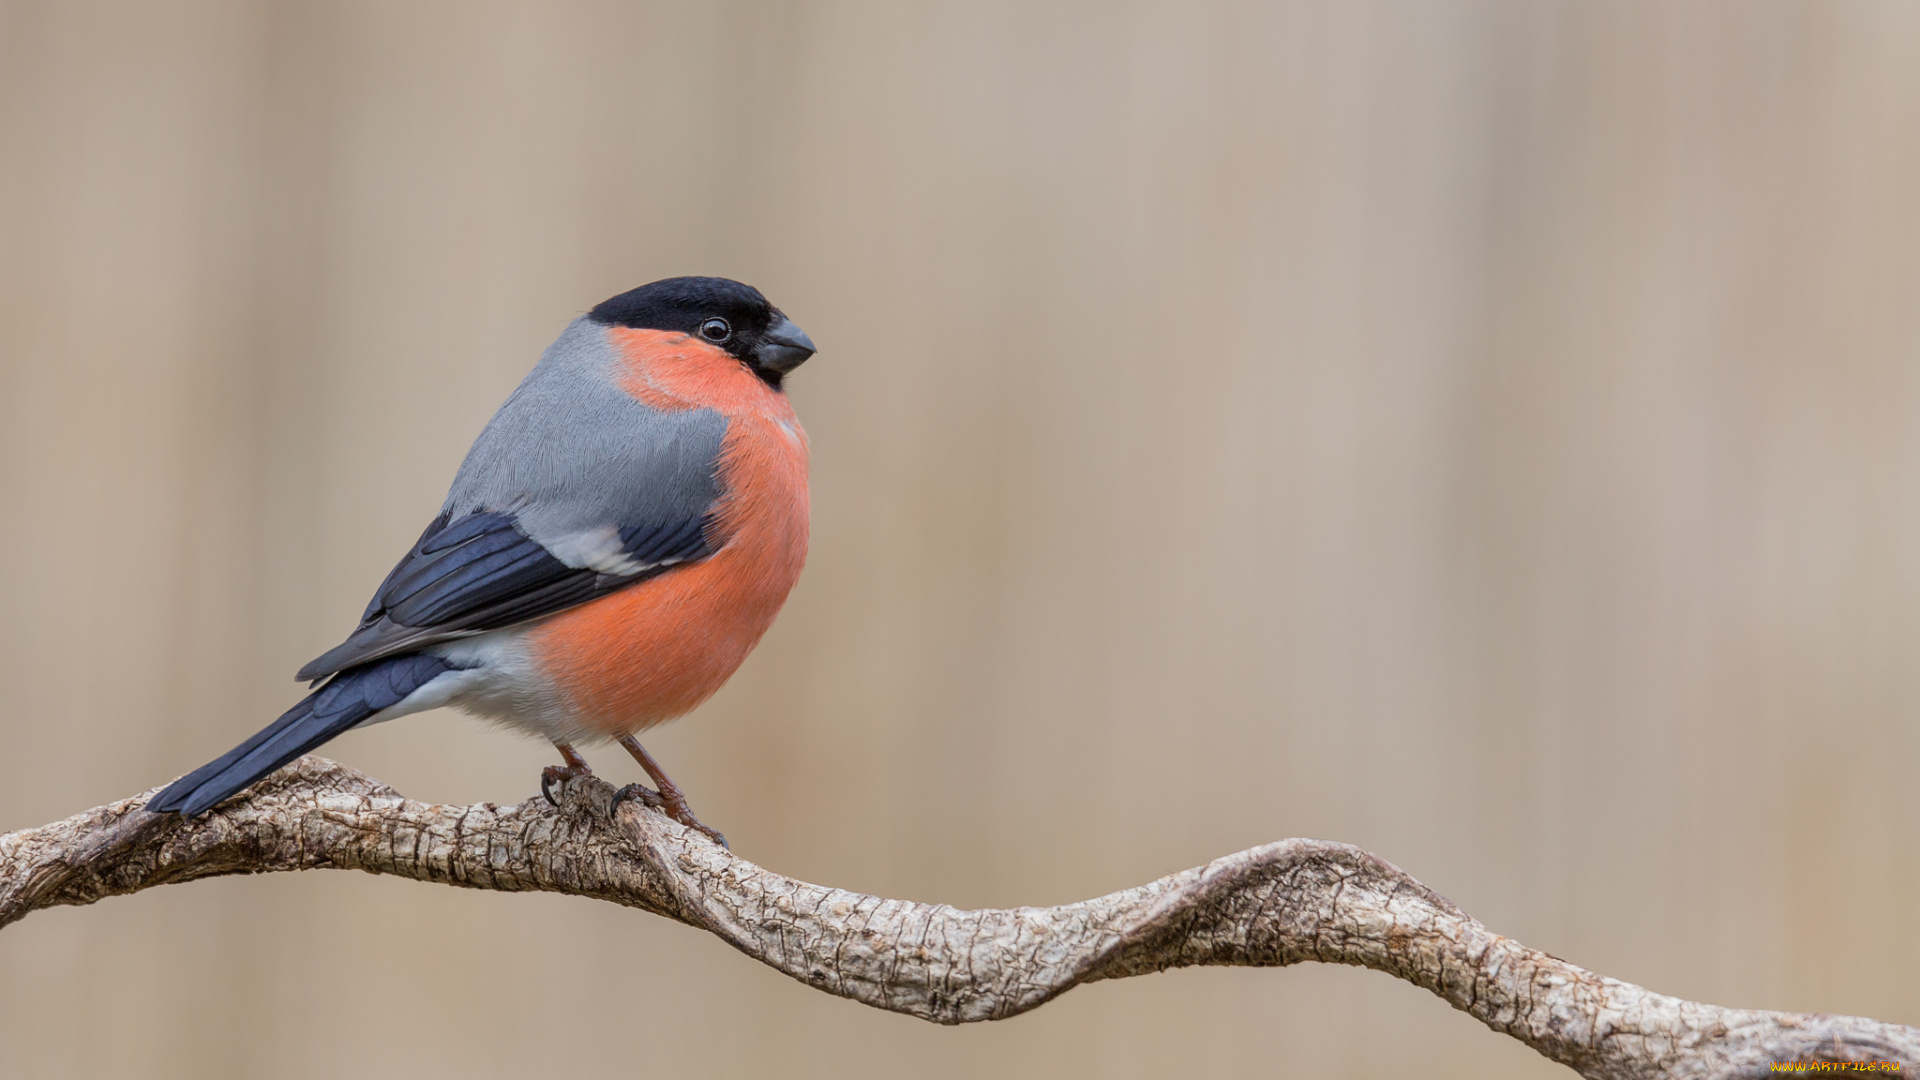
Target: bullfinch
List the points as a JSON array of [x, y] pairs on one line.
[[618, 539]]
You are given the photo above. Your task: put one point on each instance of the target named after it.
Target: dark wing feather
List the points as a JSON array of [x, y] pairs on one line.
[[480, 573]]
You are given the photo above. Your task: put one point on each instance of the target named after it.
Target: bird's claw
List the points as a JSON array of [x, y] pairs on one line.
[[559, 774], [674, 807], [642, 792]]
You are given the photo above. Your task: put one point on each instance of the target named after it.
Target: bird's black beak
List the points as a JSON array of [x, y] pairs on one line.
[[783, 347]]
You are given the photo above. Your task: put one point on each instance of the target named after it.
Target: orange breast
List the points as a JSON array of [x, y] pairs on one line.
[[654, 651]]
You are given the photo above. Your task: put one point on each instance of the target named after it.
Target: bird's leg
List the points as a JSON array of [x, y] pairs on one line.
[[560, 774], [668, 798]]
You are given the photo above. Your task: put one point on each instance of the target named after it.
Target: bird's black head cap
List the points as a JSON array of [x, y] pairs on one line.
[[721, 312]]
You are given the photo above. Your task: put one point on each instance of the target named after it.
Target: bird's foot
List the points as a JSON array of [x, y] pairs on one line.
[[575, 767], [670, 802], [640, 793], [670, 799], [560, 774]]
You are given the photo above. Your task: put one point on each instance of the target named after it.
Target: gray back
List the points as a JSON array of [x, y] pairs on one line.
[[571, 453]]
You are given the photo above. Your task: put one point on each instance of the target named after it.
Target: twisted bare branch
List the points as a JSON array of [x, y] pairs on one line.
[[1274, 905]]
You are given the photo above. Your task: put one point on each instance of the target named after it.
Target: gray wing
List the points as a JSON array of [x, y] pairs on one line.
[[574, 490]]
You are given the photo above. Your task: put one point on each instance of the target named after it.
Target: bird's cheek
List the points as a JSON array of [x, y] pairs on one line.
[[652, 366]]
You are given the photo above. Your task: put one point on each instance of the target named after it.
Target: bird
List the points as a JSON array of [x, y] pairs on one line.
[[618, 539]]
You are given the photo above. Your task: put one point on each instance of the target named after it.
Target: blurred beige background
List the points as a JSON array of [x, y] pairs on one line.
[[1488, 433]]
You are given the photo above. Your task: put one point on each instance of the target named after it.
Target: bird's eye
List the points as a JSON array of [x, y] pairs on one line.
[[716, 330]]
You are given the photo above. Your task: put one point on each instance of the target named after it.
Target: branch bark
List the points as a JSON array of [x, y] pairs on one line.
[[1279, 904]]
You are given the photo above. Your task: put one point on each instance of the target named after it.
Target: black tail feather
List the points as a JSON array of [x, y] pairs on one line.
[[347, 699]]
